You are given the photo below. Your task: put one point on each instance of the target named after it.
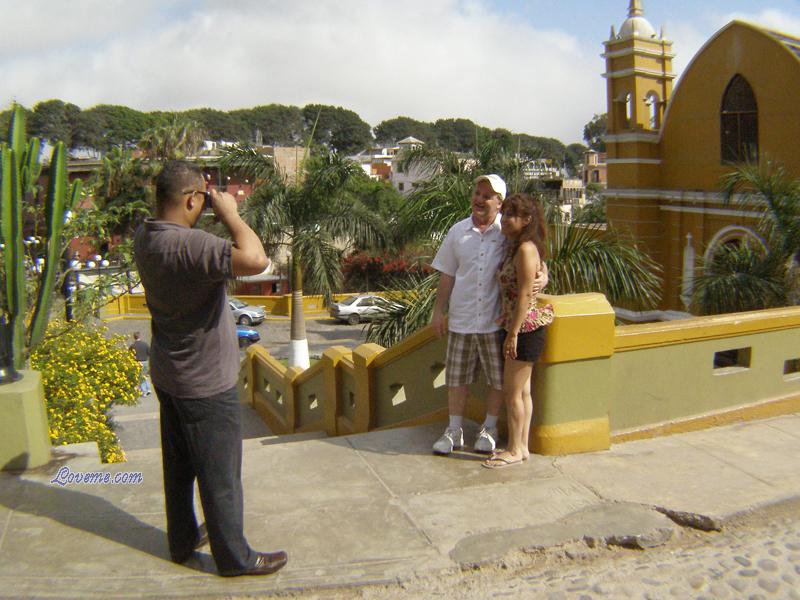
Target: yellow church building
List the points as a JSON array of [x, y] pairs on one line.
[[737, 101]]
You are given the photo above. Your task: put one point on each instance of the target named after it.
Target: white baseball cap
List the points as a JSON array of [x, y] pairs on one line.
[[496, 182]]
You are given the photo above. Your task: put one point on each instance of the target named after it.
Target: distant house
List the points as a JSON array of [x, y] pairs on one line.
[[385, 164], [377, 162], [594, 168], [403, 180]]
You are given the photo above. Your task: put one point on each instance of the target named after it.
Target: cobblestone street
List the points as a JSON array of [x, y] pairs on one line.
[[755, 557]]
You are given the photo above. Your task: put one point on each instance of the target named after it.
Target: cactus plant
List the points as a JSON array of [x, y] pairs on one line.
[[20, 169]]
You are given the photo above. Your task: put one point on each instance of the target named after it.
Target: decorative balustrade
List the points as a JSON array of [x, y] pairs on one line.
[[595, 383]]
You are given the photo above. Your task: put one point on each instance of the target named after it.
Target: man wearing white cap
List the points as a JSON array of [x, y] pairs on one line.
[[468, 291]]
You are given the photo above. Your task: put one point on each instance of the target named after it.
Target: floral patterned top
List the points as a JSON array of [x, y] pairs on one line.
[[536, 317]]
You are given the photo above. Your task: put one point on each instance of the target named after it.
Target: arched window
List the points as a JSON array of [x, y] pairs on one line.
[[651, 100], [733, 236], [739, 122]]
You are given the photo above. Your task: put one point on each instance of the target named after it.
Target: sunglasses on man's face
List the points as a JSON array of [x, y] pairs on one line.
[[206, 197]]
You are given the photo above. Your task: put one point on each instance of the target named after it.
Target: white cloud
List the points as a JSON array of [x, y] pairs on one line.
[[771, 19], [32, 26], [426, 59]]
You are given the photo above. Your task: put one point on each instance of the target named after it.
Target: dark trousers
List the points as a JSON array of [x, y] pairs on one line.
[[202, 438]]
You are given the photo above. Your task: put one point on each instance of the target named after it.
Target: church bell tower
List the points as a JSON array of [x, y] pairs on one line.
[[639, 82]]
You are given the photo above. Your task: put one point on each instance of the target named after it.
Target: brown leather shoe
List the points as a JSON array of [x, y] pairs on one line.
[[267, 563]]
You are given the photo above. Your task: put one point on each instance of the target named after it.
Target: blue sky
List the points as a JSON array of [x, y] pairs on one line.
[[531, 66]]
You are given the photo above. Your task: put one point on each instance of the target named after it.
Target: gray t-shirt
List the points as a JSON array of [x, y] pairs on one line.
[[193, 351]]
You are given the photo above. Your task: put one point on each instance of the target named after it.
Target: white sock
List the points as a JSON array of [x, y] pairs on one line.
[[491, 421], [455, 422]]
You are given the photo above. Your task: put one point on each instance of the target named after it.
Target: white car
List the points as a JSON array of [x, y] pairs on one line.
[[246, 314], [355, 309]]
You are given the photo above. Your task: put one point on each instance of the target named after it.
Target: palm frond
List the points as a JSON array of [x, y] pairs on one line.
[[266, 212], [585, 258], [436, 204], [246, 160], [406, 311], [771, 190], [321, 262], [350, 221], [738, 278], [430, 161], [328, 174]]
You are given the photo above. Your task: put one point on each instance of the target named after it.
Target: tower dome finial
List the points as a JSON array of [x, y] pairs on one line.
[[636, 25], [636, 8]]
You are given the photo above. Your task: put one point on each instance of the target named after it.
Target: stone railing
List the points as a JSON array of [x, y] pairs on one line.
[[595, 383]]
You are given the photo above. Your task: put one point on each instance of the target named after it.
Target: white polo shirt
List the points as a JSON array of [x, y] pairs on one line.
[[473, 258]]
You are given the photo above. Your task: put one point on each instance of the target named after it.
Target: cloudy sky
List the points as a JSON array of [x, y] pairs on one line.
[[531, 66]]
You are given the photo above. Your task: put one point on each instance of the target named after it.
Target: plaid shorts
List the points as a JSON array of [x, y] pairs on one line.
[[466, 350]]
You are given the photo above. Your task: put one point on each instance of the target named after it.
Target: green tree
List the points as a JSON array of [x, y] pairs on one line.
[[176, 139], [459, 135], [542, 147], [54, 120], [122, 192], [574, 157], [337, 128], [594, 132], [219, 125], [88, 129], [278, 124], [380, 197], [313, 216], [118, 125], [392, 131], [595, 209], [505, 139]]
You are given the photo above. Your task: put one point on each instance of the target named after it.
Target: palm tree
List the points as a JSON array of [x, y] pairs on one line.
[[775, 195], [313, 215], [740, 277], [174, 140], [746, 276], [122, 189], [581, 257], [590, 258]]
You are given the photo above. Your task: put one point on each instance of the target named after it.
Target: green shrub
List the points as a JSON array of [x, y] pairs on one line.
[[83, 373]]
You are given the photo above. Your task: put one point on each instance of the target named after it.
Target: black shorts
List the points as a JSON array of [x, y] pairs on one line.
[[530, 345]]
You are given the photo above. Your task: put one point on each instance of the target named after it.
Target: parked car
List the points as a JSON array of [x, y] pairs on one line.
[[354, 309], [246, 336], [246, 314]]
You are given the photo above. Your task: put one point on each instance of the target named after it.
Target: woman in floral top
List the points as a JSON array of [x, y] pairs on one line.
[[522, 318]]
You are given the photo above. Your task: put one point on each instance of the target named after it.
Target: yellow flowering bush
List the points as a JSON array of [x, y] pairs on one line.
[[83, 373]]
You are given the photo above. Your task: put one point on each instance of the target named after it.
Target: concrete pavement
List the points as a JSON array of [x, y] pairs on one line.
[[379, 507]]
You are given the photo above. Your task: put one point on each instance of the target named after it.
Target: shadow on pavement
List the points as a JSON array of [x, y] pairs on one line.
[[88, 513]]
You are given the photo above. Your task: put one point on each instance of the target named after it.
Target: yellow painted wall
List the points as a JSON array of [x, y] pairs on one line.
[[691, 137], [594, 383], [690, 146]]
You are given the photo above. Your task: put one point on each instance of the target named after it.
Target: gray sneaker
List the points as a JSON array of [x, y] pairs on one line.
[[487, 440], [451, 439]]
